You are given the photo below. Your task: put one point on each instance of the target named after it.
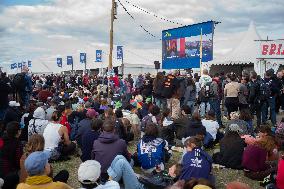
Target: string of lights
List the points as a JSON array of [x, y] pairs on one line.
[[153, 14], [143, 28]]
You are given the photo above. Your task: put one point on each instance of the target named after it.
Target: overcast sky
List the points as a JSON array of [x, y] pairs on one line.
[[42, 30]]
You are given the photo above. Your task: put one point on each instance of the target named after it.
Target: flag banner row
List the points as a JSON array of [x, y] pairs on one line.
[[83, 57], [21, 65]]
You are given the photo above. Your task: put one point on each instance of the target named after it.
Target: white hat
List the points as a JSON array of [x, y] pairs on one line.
[[89, 172], [14, 104]]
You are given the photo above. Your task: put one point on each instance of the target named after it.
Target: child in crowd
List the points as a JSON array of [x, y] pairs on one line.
[[196, 163], [212, 127], [151, 150]]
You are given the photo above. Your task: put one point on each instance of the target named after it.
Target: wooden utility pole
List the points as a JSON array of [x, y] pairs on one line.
[[110, 44], [111, 36]]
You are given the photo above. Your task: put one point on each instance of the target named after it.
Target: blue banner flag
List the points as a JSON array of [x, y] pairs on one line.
[[83, 58], [69, 60], [24, 64], [29, 63], [13, 66], [20, 65], [119, 53], [99, 55], [59, 62]]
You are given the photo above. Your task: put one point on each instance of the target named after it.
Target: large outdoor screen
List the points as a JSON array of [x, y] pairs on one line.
[[181, 46]]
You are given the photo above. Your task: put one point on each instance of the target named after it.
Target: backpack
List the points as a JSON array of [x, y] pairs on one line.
[[19, 81], [205, 92], [264, 90]]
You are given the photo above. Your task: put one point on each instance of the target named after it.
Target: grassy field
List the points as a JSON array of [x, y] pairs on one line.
[[223, 176]]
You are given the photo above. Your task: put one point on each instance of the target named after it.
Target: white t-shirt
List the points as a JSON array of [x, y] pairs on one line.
[[211, 127], [51, 136]]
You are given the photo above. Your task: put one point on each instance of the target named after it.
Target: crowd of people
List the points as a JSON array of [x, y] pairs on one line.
[[50, 118]]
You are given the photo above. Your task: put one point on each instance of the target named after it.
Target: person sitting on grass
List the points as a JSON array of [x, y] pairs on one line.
[[57, 139], [231, 149], [89, 175], [212, 127], [151, 150], [89, 137], [161, 179], [36, 143], [235, 119], [38, 168], [196, 163], [255, 162], [108, 146], [195, 127]]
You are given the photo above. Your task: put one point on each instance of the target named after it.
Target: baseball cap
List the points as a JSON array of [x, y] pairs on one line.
[[36, 161], [89, 172]]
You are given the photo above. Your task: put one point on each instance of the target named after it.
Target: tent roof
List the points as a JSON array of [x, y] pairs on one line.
[[247, 50]]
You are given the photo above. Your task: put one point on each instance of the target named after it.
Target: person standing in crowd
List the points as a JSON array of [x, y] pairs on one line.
[[170, 87], [5, 89], [254, 97], [215, 98], [280, 76], [157, 90], [231, 93], [190, 95], [204, 93], [23, 87], [243, 94], [269, 90]]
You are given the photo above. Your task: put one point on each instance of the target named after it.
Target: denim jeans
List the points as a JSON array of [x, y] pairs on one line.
[[121, 169], [270, 103], [160, 102], [191, 105], [204, 108], [215, 106], [2, 113]]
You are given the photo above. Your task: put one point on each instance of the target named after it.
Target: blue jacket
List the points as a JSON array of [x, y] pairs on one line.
[[150, 152], [196, 164]]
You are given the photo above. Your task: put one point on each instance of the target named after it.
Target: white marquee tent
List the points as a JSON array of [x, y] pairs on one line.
[[244, 55]]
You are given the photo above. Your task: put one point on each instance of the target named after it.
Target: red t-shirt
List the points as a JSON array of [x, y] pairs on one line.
[[65, 122], [280, 174]]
